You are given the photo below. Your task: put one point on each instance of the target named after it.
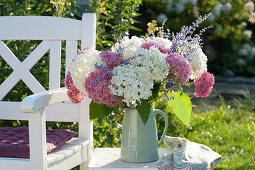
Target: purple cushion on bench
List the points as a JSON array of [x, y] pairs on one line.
[[14, 142]]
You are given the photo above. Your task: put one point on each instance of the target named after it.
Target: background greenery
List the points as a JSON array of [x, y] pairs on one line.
[[227, 126], [229, 45]]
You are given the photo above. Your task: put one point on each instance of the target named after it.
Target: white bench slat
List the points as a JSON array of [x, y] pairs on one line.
[[8, 84], [55, 65], [70, 150], [21, 70], [71, 51], [14, 163], [32, 83], [66, 112], [67, 150], [39, 28]]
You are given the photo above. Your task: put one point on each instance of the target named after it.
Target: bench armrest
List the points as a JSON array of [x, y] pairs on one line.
[[34, 103]]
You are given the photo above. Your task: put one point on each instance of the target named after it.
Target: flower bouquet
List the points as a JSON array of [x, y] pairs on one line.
[[138, 71]]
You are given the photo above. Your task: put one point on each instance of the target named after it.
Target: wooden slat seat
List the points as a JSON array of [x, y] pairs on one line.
[[68, 152]]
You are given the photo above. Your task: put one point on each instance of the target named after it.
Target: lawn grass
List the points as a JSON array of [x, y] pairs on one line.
[[225, 125]]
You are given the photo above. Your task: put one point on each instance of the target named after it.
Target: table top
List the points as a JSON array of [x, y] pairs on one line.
[[109, 158]]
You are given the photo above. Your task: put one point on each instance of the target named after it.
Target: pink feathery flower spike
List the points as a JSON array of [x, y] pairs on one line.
[[97, 85], [75, 95], [179, 66], [160, 47], [204, 84], [111, 59]]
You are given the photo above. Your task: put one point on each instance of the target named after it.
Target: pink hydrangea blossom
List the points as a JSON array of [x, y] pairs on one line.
[[204, 84], [180, 67], [160, 47], [75, 95], [111, 59], [97, 85]]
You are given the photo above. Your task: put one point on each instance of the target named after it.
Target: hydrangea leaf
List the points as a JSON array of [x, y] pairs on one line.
[[97, 111], [181, 105], [144, 110]]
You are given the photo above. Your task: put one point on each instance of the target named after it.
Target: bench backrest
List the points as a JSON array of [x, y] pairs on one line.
[[53, 31]]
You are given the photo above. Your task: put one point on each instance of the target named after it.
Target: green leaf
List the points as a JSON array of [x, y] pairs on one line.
[[181, 105], [97, 111], [144, 110], [155, 91]]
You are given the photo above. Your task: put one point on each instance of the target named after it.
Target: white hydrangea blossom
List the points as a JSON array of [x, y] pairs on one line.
[[197, 60], [154, 62], [252, 17], [179, 7], [249, 5], [227, 7], [248, 33], [132, 83], [128, 46], [161, 18], [217, 9], [82, 65], [164, 41], [193, 2]]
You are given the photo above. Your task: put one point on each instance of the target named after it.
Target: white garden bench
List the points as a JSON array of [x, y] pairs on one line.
[[46, 105]]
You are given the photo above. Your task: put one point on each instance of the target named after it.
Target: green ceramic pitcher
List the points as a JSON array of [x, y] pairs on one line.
[[140, 141]]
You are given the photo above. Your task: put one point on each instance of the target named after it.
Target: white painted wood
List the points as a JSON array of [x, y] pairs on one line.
[[64, 157], [63, 112], [37, 140], [84, 129], [84, 119], [34, 103], [109, 159], [14, 164], [69, 162], [52, 30], [55, 65], [39, 28], [8, 84], [71, 51], [88, 30], [67, 150], [21, 69], [31, 82]]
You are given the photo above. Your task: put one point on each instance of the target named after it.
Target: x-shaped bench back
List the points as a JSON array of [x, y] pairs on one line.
[[52, 30], [21, 69]]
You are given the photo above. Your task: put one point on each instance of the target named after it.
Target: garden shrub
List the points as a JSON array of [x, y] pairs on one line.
[[114, 19], [228, 44]]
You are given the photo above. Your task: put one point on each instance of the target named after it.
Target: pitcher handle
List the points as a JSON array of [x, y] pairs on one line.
[[160, 112]]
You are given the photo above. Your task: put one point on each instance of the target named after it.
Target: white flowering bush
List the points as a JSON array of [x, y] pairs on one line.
[[225, 45]]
